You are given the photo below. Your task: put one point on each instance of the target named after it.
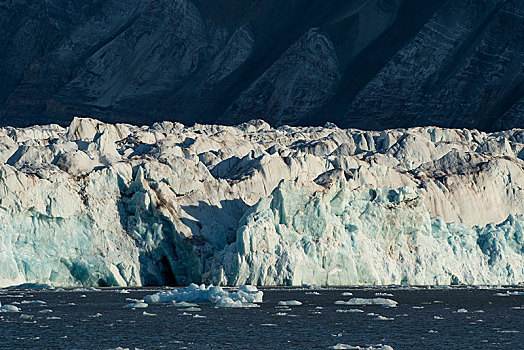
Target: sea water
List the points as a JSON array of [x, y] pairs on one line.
[[319, 318]]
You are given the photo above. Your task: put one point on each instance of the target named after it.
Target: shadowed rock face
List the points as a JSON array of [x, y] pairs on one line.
[[370, 64]]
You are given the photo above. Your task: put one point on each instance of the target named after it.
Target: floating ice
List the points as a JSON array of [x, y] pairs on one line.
[[136, 305], [371, 301], [245, 296], [39, 302], [192, 309], [347, 294], [462, 311], [31, 286], [341, 346], [289, 303], [183, 304], [508, 293], [383, 318], [383, 294], [350, 310], [9, 308]]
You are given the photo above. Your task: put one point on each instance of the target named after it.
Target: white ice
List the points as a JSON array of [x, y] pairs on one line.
[[368, 301], [289, 303], [244, 296], [98, 204]]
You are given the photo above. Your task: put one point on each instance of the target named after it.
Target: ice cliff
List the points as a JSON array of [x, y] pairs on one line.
[[99, 204]]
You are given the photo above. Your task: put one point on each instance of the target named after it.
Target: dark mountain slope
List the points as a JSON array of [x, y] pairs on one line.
[[359, 63]]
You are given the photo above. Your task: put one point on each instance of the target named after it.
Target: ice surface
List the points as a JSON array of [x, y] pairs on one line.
[[289, 303], [9, 308], [192, 309], [343, 236], [509, 293], [245, 296], [31, 286], [383, 318], [370, 347], [183, 304], [370, 301], [136, 305], [98, 204], [349, 310]]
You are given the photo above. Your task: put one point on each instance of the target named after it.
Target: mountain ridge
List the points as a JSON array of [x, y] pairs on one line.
[[368, 64]]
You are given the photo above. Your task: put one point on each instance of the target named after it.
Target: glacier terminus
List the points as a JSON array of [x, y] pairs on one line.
[[98, 204]]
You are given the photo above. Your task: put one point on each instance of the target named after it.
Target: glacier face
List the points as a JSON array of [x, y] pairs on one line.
[[98, 204], [337, 236]]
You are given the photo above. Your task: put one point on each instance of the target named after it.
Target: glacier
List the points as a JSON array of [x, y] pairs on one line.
[[97, 204]]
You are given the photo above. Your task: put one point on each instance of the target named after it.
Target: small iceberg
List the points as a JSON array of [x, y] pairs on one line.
[[31, 286], [136, 305], [289, 303], [367, 347], [9, 308], [371, 301], [508, 293], [350, 310], [245, 296]]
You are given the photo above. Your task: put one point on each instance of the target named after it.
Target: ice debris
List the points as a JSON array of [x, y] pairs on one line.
[[366, 347], [289, 303], [350, 310], [136, 305], [508, 293], [9, 308], [370, 301], [31, 286], [244, 296]]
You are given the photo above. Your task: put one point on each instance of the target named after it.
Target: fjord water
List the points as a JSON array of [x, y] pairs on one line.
[[438, 318]]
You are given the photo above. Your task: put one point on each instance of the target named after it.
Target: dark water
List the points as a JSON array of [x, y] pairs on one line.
[[97, 320]]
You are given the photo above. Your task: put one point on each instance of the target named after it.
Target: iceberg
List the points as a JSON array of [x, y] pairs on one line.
[[245, 296], [9, 308], [289, 303], [101, 205], [370, 301]]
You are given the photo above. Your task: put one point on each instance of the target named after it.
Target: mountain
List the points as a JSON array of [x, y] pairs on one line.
[[370, 64]]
